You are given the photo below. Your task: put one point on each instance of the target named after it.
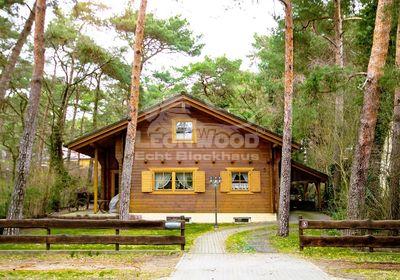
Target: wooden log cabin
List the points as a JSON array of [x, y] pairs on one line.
[[181, 142]]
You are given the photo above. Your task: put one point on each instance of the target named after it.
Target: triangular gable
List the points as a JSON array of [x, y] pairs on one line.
[[152, 111]]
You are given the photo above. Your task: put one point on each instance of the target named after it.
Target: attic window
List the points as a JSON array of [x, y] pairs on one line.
[[184, 130]]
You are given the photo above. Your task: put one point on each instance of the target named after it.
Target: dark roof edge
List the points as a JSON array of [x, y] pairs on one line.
[[310, 170], [96, 131]]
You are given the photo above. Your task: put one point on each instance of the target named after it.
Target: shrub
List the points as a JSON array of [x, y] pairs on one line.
[[5, 191]]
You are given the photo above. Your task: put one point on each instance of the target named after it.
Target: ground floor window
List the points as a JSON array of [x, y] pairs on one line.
[[163, 181], [184, 180], [173, 181], [240, 181]]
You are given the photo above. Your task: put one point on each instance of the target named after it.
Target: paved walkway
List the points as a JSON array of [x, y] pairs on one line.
[[214, 242], [208, 259]]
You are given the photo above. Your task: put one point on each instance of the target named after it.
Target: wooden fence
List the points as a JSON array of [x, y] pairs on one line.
[[389, 240], [116, 239]]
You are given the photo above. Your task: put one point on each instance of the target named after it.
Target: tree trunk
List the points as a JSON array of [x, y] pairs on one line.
[[72, 134], [284, 198], [374, 189], [15, 210], [356, 200], [96, 102], [56, 138], [8, 70], [394, 174], [56, 141], [42, 134], [134, 104], [339, 102], [80, 133]]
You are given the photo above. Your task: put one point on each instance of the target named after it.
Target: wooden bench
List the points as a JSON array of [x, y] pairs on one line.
[[369, 240], [116, 239]]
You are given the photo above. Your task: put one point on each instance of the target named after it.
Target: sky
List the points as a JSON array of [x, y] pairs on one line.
[[227, 26]]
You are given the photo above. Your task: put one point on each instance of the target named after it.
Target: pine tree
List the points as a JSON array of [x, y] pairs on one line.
[[6, 75], [395, 153], [133, 108], [284, 198], [356, 199], [15, 210]]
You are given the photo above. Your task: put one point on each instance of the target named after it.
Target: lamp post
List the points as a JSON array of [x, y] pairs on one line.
[[215, 181]]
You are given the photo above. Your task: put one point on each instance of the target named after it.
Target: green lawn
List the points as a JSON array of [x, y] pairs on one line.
[[71, 274], [238, 243], [373, 274], [192, 231]]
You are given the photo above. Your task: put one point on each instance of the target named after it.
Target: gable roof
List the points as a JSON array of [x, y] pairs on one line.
[[216, 112]]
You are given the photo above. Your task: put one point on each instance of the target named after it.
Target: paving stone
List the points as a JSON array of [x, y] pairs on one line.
[[246, 266], [208, 259]]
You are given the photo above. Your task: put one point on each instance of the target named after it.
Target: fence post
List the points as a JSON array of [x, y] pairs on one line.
[[183, 221], [117, 244], [47, 242], [300, 233], [371, 249]]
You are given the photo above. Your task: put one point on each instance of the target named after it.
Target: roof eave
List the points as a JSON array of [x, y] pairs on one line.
[[266, 134]]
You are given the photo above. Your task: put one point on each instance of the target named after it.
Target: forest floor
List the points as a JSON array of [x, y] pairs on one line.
[[341, 262], [88, 265]]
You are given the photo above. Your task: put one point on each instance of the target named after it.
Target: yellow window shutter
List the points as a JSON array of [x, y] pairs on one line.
[[199, 181], [255, 181], [226, 181], [147, 181]]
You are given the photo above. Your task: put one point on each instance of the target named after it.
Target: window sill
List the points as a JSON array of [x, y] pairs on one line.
[[173, 192], [240, 192]]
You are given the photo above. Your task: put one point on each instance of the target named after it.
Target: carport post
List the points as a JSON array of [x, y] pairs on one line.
[[95, 180]]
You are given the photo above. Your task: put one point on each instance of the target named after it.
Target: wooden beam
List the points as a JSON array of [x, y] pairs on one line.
[[352, 224], [81, 223], [102, 161], [351, 241], [96, 180], [90, 239], [270, 165], [119, 155], [319, 195], [277, 158]]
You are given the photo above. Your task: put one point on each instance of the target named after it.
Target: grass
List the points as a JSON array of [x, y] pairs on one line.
[[71, 274], [192, 231], [291, 245], [238, 243], [373, 274]]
